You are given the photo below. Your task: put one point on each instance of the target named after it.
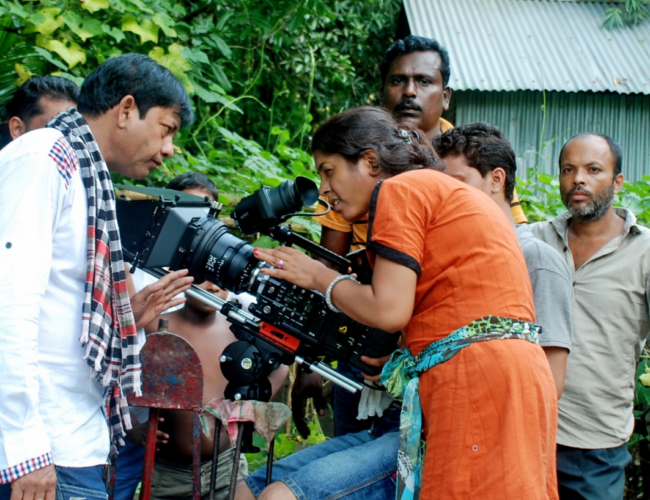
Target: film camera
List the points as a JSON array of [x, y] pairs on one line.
[[163, 228]]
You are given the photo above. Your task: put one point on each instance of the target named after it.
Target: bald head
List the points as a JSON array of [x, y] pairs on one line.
[[597, 141]]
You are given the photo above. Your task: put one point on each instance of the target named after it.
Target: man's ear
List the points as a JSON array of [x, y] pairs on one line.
[[498, 181], [446, 98], [126, 109], [618, 182], [17, 127]]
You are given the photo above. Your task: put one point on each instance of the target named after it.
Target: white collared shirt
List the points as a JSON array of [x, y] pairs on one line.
[[49, 401]]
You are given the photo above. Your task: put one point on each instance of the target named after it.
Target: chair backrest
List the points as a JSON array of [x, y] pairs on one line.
[[172, 375]]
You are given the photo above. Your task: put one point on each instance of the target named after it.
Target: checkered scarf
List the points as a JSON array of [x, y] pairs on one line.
[[108, 331]]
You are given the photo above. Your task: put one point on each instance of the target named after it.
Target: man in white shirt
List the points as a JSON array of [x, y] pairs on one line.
[[62, 279]]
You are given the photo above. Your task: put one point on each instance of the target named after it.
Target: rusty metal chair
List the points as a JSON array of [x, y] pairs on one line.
[[172, 380]]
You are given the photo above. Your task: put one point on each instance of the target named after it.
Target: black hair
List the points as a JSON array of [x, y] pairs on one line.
[[25, 102], [136, 75], [614, 147], [193, 180], [399, 147], [484, 147], [411, 44]]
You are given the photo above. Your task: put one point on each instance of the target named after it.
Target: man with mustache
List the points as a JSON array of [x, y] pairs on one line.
[[608, 255]]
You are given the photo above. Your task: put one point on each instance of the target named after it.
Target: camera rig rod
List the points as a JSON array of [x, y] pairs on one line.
[[244, 318], [284, 235]]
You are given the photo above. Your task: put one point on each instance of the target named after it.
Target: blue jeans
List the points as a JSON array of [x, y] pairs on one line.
[[591, 474], [128, 474], [355, 466], [73, 482]]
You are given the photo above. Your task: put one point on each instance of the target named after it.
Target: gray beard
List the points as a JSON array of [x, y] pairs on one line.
[[596, 209]]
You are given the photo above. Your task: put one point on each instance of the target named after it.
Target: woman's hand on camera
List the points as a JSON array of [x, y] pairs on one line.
[[296, 267]]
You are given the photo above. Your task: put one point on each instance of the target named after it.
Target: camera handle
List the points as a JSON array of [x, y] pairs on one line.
[[283, 234], [250, 323]]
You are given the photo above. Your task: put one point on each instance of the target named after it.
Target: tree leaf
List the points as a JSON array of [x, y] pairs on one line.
[[95, 5], [166, 23], [196, 55], [213, 97], [140, 6], [17, 9], [221, 77], [146, 30], [77, 79], [174, 62], [45, 21], [114, 32], [48, 57], [84, 29], [223, 46], [67, 49], [23, 74]]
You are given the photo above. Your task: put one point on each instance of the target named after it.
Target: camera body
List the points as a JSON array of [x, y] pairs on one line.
[[304, 315], [164, 228]]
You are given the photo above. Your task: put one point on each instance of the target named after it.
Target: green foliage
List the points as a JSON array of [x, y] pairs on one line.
[[285, 444], [636, 197], [631, 13], [260, 72], [641, 398], [540, 197]]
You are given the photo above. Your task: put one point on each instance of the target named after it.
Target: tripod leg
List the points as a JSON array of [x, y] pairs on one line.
[[269, 462], [196, 457], [235, 465], [154, 414], [215, 457]]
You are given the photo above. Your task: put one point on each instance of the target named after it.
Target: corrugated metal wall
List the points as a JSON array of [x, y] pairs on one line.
[[535, 45], [626, 118]]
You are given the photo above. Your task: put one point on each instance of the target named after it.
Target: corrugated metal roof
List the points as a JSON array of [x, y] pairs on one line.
[[537, 135], [535, 45]]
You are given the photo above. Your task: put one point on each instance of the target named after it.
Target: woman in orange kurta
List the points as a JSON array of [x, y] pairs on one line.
[[445, 255]]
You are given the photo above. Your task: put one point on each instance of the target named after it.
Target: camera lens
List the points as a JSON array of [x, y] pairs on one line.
[[266, 206], [217, 256]]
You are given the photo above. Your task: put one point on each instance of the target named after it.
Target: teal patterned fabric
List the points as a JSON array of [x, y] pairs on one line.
[[401, 374]]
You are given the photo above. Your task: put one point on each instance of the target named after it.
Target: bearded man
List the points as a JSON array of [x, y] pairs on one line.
[[608, 255]]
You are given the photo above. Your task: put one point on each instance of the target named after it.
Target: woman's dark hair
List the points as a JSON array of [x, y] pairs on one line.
[[136, 75], [194, 180], [399, 147]]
